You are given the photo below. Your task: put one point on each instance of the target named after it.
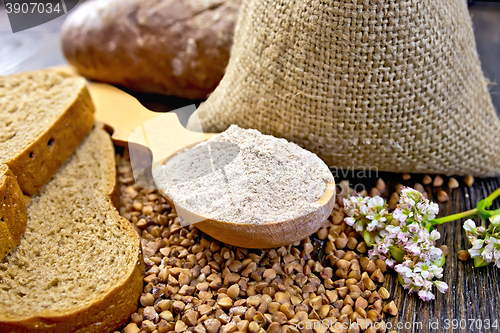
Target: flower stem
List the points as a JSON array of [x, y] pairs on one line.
[[454, 217], [494, 194], [471, 212]]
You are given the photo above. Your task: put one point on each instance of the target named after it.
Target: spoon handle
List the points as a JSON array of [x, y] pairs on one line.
[[120, 111], [123, 113]]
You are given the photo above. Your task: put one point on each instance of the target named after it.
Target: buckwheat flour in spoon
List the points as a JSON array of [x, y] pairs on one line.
[[243, 176]]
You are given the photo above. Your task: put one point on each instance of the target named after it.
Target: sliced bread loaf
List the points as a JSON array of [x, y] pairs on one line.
[[79, 265], [12, 211], [44, 115]]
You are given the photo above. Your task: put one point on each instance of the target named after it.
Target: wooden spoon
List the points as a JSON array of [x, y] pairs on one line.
[[272, 234], [164, 135]]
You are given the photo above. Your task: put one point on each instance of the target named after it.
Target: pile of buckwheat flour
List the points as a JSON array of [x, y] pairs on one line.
[[243, 176]]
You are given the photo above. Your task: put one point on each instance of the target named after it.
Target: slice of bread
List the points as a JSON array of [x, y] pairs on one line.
[[44, 115], [79, 266], [12, 211]]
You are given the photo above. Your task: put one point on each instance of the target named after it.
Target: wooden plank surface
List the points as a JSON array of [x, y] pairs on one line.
[[474, 294]]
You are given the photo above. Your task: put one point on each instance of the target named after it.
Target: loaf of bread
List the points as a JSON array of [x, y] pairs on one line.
[[79, 266], [44, 115], [173, 47], [12, 211]]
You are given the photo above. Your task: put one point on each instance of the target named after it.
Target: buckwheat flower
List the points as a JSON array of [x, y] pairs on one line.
[[365, 213], [401, 238], [404, 269], [432, 210], [441, 286], [435, 235], [495, 243], [485, 242], [422, 207], [414, 227], [356, 198], [401, 214], [413, 249], [477, 248], [426, 295], [377, 222], [390, 262], [418, 281], [383, 247], [391, 232], [423, 269], [491, 251], [470, 226], [436, 271], [435, 253], [410, 196], [376, 202], [495, 219], [350, 221], [353, 223], [487, 253]]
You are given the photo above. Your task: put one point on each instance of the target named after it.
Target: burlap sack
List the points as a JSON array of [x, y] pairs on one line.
[[393, 85]]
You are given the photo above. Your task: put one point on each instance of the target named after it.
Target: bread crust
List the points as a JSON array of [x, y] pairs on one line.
[[109, 311], [105, 314], [170, 47], [13, 215], [34, 166]]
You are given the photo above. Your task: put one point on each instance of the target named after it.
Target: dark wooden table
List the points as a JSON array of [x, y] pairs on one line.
[[474, 295]]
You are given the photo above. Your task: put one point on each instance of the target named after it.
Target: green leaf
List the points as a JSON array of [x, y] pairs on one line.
[[397, 254], [441, 261], [369, 237], [479, 262], [482, 207], [400, 279]]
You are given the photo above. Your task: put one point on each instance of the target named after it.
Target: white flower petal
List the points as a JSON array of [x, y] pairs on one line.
[[441, 286], [350, 220], [495, 219], [435, 235], [475, 253], [478, 244], [470, 226]]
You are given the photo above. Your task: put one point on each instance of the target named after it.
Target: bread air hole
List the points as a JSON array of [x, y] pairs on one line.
[[51, 142], [32, 155]]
